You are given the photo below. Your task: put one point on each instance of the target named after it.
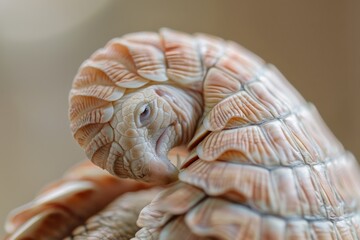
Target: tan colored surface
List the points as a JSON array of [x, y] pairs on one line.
[[316, 45], [83, 191]]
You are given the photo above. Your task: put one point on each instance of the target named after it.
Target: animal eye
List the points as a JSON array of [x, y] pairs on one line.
[[145, 115]]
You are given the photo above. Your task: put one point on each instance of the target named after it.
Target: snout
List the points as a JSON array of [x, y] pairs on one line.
[[162, 171]]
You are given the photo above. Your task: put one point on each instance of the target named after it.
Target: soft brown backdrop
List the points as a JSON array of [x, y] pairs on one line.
[[42, 43]]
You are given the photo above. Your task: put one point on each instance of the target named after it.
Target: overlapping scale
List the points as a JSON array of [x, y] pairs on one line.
[[84, 135], [283, 143], [287, 141], [199, 134], [146, 38], [305, 143], [103, 137], [324, 230], [283, 180], [40, 212], [62, 205], [118, 73], [147, 234], [263, 190], [298, 191], [239, 66], [183, 58], [177, 229], [223, 220], [218, 218], [263, 95], [247, 145], [280, 88], [298, 230], [117, 220], [211, 49], [108, 93], [91, 81], [250, 101], [178, 156], [91, 108], [249, 185], [308, 190], [175, 200], [236, 110], [312, 122], [272, 228], [345, 229], [86, 111], [138, 59], [149, 61], [243, 55], [46, 223], [218, 85], [333, 203], [114, 52]]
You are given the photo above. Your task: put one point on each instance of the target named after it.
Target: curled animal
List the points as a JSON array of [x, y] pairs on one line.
[[261, 163]]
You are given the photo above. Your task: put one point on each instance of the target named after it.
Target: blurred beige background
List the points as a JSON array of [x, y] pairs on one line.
[[316, 44]]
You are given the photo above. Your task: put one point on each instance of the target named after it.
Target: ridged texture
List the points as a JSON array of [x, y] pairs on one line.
[[263, 164], [116, 221], [65, 204]]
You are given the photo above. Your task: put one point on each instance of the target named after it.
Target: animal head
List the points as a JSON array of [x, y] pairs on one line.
[[127, 118]]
